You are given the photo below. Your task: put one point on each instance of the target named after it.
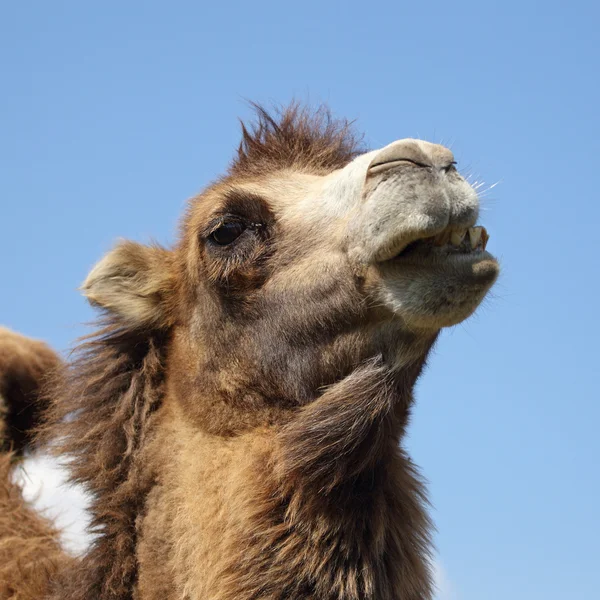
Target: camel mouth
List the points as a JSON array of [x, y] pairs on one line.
[[452, 241], [438, 280]]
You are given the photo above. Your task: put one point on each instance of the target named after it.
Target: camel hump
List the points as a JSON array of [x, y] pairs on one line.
[[25, 366]]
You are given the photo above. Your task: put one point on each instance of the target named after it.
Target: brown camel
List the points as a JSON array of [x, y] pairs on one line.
[[238, 418]]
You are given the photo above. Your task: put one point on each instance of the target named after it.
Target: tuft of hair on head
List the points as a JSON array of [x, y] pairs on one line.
[[295, 137]]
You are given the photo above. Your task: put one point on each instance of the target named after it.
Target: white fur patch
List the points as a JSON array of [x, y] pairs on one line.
[[44, 483]]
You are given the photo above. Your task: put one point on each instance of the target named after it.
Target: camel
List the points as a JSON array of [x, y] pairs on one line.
[[238, 417]]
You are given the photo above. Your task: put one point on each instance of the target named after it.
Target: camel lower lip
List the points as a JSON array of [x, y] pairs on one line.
[[440, 256], [468, 268]]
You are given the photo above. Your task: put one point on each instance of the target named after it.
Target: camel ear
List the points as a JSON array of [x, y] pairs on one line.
[[135, 283]]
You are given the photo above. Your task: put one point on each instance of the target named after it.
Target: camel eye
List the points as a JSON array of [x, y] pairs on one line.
[[227, 233]]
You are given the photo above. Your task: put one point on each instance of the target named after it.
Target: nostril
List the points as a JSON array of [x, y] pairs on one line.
[[410, 152], [403, 152], [417, 163], [378, 167], [397, 161]]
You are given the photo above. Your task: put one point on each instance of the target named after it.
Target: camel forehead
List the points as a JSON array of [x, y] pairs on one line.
[[286, 193], [285, 189]]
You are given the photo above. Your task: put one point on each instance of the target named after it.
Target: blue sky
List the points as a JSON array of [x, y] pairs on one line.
[[112, 114]]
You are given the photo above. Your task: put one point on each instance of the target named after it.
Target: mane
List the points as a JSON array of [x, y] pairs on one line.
[[295, 137], [100, 413]]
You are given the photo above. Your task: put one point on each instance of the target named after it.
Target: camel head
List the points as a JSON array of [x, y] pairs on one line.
[[307, 258], [238, 421]]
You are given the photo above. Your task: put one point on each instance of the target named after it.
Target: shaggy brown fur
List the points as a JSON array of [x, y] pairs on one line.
[[237, 420], [114, 387], [30, 553], [24, 365]]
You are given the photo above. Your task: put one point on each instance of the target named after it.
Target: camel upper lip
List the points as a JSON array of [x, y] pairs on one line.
[[465, 240]]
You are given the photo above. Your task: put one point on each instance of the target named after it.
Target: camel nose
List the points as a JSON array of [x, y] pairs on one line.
[[417, 152]]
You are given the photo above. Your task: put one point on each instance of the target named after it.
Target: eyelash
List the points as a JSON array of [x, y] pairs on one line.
[[231, 219]]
